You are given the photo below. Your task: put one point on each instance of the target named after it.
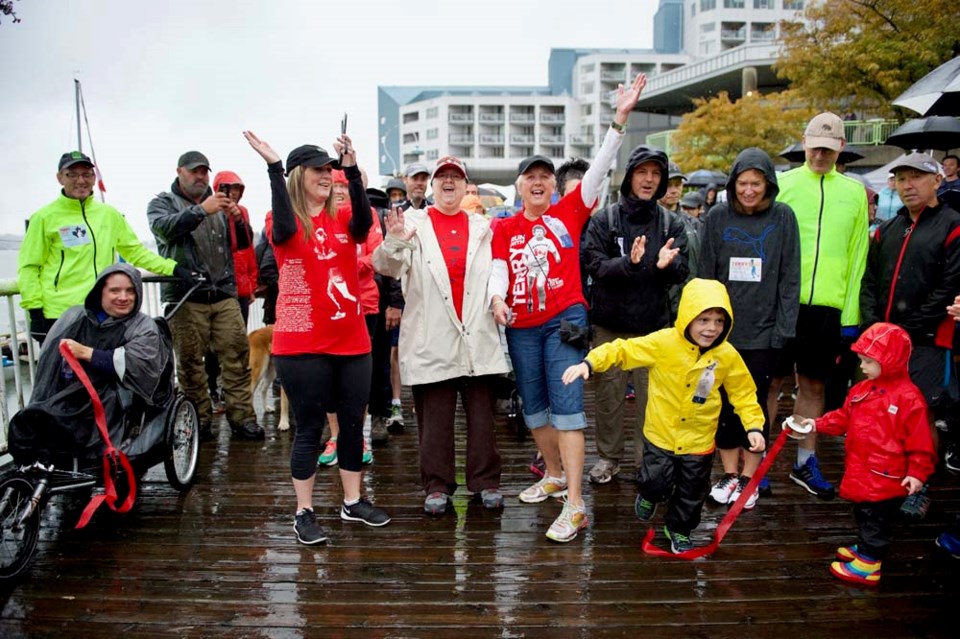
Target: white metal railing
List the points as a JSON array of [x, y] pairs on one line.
[[551, 138], [752, 53], [461, 117], [581, 139], [518, 138], [522, 118], [14, 334], [490, 139], [496, 118], [553, 117], [613, 76], [461, 138]]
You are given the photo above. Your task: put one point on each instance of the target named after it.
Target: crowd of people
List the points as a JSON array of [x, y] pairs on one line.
[[708, 304]]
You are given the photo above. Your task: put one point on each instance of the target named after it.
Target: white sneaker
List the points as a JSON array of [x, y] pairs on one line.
[[547, 487], [724, 489], [570, 522], [751, 500]]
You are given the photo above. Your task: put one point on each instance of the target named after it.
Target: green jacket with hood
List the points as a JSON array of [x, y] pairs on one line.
[[831, 212], [677, 419], [67, 244]]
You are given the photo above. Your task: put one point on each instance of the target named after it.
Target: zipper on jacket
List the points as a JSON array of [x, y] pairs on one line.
[[56, 278], [896, 270], [816, 252], [93, 238]]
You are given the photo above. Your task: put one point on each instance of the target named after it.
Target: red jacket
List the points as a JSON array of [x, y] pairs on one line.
[[885, 421], [241, 242]]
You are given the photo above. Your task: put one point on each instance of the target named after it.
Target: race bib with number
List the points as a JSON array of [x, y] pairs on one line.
[[745, 269], [76, 235]]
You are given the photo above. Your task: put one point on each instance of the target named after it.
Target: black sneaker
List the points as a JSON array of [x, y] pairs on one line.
[[308, 530], [366, 512], [248, 430], [678, 543], [644, 509]]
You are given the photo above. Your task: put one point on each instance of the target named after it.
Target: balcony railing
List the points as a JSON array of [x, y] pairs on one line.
[[461, 138], [606, 118], [522, 118], [461, 117], [734, 58], [491, 118], [519, 138], [581, 139], [491, 139], [612, 76], [552, 117], [733, 34], [551, 138]]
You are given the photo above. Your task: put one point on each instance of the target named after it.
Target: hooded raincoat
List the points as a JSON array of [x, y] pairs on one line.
[[885, 421], [757, 257], [141, 367], [241, 240], [680, 419]]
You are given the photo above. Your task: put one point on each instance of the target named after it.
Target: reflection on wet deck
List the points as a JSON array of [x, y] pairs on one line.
[[222, 561]]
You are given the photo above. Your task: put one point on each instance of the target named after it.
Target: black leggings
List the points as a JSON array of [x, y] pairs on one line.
[[320, 384], [730, 433]]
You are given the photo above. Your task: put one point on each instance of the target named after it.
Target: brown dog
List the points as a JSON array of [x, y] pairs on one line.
[[262, 374]]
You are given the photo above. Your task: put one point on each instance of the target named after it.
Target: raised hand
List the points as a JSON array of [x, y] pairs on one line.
[[627, 98], [396, 226], [261, 147], [667, 254], [344, 148], [638, 249]]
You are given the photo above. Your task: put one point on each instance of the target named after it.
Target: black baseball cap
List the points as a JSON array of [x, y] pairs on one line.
[[192, 159], [73, 158], [530, 162], [310, 155]]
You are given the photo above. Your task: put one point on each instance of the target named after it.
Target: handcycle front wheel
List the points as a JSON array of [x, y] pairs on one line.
[[20, 531], [183, 441]]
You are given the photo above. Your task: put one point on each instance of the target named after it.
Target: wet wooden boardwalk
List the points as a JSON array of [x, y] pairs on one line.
[[222, 561]]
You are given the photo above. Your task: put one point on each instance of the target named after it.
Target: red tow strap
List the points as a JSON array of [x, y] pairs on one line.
[[113, 459], [727, 522]]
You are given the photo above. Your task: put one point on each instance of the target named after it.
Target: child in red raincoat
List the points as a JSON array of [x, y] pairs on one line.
[[889, 448]]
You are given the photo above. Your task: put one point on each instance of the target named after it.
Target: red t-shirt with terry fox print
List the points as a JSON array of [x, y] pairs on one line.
[[543, 260], [319, 307]]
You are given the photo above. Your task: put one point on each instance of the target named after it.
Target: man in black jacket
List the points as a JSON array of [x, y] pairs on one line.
[[633, 251], [913, 275]]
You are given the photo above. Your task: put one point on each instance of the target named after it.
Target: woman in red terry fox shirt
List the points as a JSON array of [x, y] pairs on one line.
[[320, 341], [535, 290]]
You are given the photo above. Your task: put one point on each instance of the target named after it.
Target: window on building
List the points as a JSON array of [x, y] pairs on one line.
[[433, 134], [708, 5], [586, 88], [433, 154], [693, 8], [708, 47], [793, 5], [708, 27], [432, 113], [733, 4], [588, 68], [764, 4], [413, 116]]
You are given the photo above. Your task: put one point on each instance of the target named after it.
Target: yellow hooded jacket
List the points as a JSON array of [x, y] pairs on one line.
[[677, 418]]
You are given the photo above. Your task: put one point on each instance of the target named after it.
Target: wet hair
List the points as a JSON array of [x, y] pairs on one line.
[[572, 169]]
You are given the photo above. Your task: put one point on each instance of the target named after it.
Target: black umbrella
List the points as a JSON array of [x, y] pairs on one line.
[[938, 132], [794, 153], [937, 93], [704, 177]]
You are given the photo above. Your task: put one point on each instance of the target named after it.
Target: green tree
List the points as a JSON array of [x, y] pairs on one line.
[[6, 9], [717, 130], [859, 55]]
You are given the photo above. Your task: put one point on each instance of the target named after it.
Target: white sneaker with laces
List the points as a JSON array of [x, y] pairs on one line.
[[752, 500], [724, 489], [570, 522], [555, 487]]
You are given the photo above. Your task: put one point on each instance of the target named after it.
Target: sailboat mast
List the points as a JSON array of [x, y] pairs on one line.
[[76, 98]]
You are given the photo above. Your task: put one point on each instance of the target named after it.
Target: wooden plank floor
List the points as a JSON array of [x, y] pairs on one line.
[[222, 561]]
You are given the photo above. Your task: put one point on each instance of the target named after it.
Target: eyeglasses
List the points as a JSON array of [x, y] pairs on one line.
[[87, 175]]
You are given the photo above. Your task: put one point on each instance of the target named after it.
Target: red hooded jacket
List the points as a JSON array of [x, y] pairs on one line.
[[244, 256], [885, 421]]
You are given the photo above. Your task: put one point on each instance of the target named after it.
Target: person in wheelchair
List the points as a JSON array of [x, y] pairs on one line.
[[124, 352]]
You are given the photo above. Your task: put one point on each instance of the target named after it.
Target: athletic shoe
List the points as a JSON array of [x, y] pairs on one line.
[[547, 487], [723, 490], [436, 503], [950, 543], [644, 508], [849, 553], [308, 530], [367, 458], [491, 498], [379, 435], [366, 512], [570, 522], [808, 476], [678, 543], [538, 467], [863, 572], [395, 421], [741, 485], [915, 506], [248, 430], [329, 455], [603, 471], [951, 458]]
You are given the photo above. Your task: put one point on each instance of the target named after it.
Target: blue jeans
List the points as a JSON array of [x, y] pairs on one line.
[[539, 360]]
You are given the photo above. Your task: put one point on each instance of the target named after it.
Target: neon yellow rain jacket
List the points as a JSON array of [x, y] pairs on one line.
[[68, 242], [677, 418]]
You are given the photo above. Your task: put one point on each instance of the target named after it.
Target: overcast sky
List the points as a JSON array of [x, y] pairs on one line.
[[160, 78]]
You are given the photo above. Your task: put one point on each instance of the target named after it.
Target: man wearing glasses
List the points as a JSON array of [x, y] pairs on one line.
[[69, 241]]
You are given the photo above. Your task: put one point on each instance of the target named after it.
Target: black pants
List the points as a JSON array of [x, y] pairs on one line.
[[681, 480], [761, 364], [381, 392], [320, 384], [875, 520]]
